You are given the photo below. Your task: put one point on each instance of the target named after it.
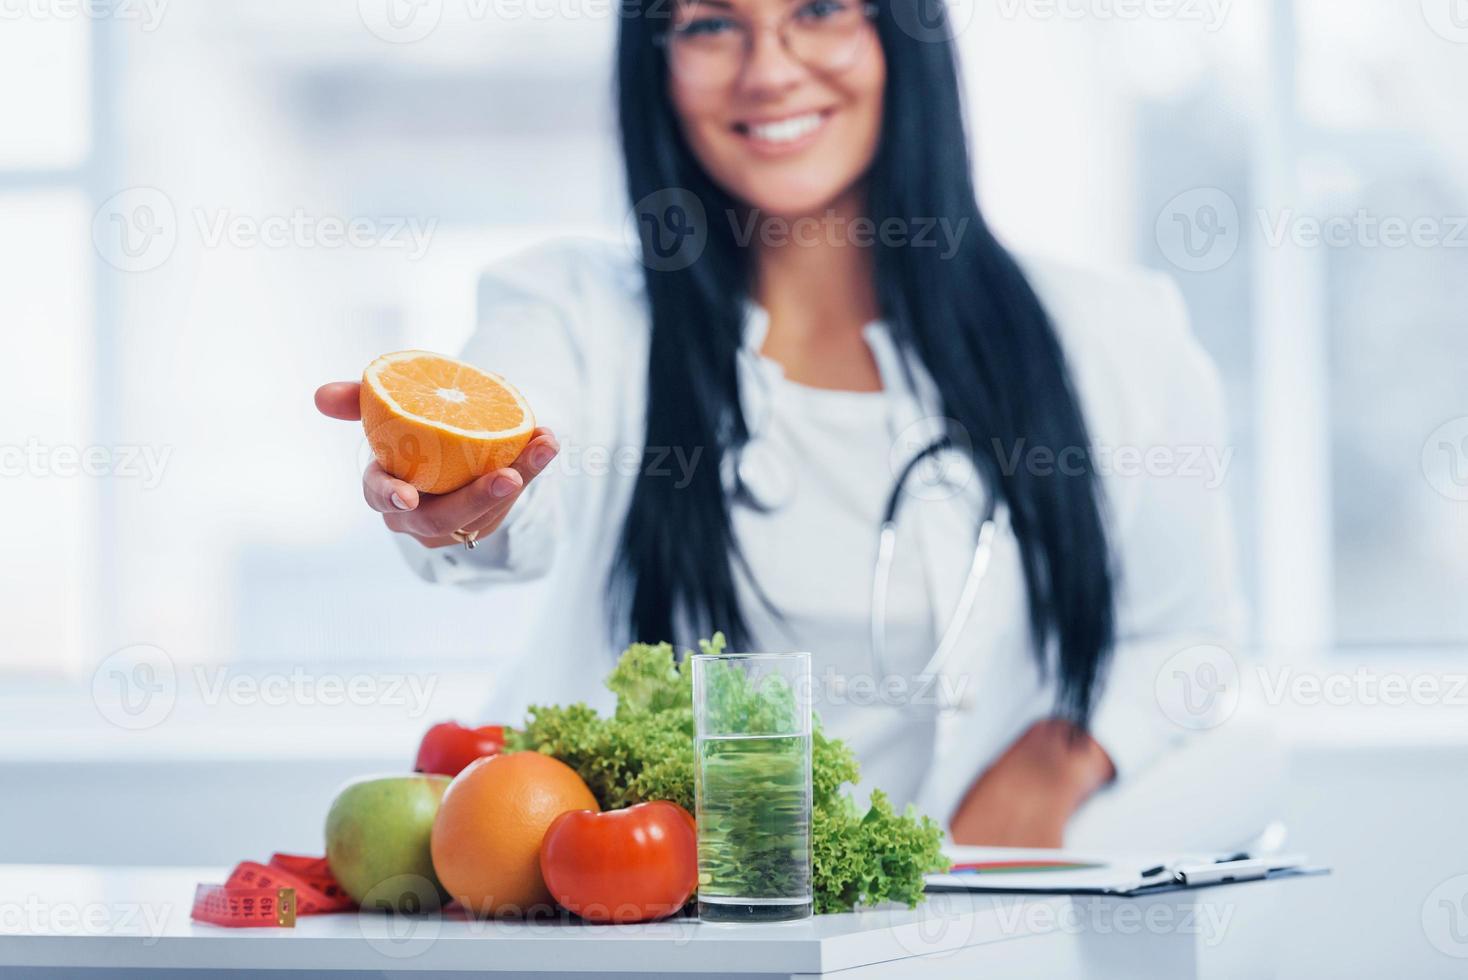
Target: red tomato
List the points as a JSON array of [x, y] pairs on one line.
[[631, 865], [448, 747]]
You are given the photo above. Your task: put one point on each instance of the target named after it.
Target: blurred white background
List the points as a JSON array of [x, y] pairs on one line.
[[208, 208]]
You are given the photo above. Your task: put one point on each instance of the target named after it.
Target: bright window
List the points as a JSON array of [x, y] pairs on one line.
[[49, 465], [45, 74]]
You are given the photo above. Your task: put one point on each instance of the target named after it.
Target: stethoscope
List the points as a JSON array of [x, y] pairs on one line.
[[759, 483], [882, 571], [758, 478]]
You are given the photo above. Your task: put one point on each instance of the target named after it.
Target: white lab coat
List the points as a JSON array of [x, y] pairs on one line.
[[567, 322]]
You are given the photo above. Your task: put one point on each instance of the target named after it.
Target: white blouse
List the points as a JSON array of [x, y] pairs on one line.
[[568, 323], [825, 460]]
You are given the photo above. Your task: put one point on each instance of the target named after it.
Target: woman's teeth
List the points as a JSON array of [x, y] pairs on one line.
[[786, 130]]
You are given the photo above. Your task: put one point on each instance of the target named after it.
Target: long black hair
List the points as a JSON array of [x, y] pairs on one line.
[[970, 318]]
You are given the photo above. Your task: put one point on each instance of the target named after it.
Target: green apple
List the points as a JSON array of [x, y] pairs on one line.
[[377, 836]]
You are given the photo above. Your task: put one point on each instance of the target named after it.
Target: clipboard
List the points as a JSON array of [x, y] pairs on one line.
[[1012, 871]]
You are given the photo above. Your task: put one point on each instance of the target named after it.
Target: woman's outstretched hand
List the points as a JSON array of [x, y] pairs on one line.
[[432, 518]]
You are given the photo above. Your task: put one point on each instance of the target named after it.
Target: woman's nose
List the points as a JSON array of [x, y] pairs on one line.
[[769, 67]]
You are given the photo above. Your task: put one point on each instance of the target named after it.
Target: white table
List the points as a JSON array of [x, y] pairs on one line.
[[65, 921]]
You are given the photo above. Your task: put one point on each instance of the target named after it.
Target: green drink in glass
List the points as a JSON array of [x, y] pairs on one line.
[[752, 779]]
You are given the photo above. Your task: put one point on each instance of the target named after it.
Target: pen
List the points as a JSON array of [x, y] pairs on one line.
[[1223, 871]]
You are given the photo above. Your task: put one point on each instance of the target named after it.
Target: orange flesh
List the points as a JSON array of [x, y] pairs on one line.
[[443, 391]]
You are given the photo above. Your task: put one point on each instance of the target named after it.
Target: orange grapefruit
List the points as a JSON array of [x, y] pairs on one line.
[[438, 423], [486, 837]]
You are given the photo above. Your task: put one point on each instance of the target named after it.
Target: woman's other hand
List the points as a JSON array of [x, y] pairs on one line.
[[432, 518], [1027, 797]]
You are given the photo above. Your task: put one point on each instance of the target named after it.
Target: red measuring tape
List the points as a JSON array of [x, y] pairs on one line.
[[271, 894]]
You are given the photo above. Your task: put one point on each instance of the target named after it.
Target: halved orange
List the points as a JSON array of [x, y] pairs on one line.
[[439, 423]]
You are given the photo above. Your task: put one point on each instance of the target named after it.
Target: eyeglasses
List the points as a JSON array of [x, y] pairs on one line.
[[709, 42]]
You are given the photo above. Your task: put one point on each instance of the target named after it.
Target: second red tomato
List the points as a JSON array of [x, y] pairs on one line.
[[448, 747]]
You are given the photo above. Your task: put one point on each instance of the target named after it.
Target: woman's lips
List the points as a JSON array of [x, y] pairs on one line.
[[788, 134]]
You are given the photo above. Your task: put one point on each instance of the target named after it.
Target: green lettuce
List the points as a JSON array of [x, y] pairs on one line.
[[644, 751]]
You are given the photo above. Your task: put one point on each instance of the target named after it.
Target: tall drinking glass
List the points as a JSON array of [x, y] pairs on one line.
[[752, 722]]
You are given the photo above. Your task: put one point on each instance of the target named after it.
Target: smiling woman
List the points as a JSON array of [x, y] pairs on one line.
[[764, 147], [783, 110]]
